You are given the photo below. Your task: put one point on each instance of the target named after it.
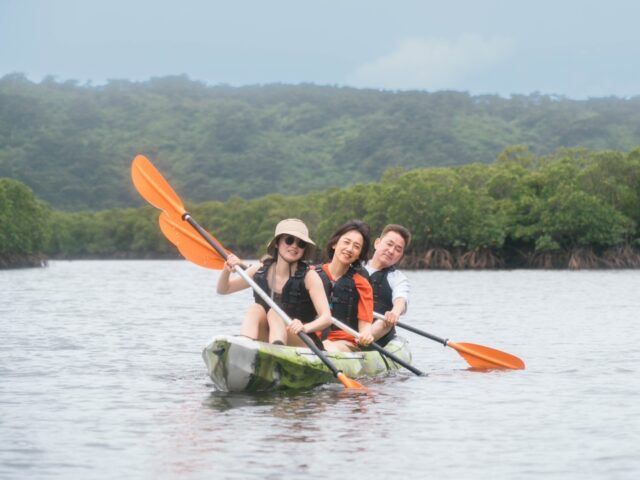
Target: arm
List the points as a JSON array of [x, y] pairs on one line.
[[392, 316], [227, 285], [400, 289]]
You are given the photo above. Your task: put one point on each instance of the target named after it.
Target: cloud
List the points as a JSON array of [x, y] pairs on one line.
[[433, 63]]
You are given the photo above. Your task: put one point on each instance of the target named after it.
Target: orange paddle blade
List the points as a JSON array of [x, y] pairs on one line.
[[349, 382], [154, 188], [484, 358], [189, 242]]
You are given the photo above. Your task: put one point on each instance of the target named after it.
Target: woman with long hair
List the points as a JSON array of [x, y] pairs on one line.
[[349, 291]]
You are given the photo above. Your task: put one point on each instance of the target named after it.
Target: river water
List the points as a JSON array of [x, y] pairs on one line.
[[101, 377]]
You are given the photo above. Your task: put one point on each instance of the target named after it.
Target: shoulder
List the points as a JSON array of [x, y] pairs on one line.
[[397, 278], [317, 271], [322, 268], [359, 269], [362, 282], [311, 274], [395, 273]]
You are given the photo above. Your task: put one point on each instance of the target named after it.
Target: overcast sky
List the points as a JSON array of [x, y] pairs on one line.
[[574, 48]]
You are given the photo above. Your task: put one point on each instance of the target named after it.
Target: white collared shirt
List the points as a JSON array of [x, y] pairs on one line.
[[398, 282]]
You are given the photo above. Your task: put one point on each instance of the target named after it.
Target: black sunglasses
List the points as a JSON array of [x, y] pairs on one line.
[[289, 239]]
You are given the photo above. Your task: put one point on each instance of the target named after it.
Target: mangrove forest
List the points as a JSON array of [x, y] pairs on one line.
[[572, 208]]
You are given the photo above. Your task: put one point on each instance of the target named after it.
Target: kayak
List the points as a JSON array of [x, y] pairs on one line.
[[239, 364]]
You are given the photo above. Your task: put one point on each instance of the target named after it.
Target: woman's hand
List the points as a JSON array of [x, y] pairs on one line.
[[365, 339], [232, 262], [295, 327]]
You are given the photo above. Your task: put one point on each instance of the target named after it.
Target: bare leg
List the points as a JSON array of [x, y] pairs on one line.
[[339, 346], [296, 341], [277, 328], [255, 324]]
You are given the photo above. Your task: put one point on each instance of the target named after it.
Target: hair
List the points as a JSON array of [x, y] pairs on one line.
[[352, 225], [400, 230]]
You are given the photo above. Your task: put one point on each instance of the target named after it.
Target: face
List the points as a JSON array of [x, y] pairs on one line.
[[348, 248], [389, 249], [289, 248]]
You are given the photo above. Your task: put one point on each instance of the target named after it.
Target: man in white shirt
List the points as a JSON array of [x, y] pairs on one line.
[[390, 286]]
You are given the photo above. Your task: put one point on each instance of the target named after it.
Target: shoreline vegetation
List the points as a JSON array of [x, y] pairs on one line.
[[621, 257], [573, 209]]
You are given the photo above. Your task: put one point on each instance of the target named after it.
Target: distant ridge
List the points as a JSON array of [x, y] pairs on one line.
[[73, 144]]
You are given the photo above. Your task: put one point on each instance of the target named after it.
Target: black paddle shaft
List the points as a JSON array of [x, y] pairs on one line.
[[424, 334], [399, 361]]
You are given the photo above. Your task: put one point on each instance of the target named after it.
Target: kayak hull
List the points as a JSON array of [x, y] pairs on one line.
[[238, 364]]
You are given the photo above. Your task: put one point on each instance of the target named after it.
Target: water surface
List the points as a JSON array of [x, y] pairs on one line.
[[101, 377]]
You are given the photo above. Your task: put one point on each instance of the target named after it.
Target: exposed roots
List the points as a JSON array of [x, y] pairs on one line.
[[22, 261], [439, 259], [547, 260], [623, 256], [582, 258], [479, 259]]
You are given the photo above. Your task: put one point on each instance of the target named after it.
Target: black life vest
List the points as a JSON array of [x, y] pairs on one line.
[[295, 299], [383, 298], [343, 297]]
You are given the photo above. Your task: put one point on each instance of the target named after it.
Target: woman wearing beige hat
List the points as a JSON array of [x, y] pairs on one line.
[[285, 276]]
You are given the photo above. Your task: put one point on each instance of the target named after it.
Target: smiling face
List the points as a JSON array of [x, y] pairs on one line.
[[389, 249], [348, 247], [289, 250]]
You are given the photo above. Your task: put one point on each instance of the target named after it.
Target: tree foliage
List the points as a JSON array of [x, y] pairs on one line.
[[574, 207], [23, 220], [73, 144]]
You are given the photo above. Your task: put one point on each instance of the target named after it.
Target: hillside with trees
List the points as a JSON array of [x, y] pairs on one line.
[[73, 144]]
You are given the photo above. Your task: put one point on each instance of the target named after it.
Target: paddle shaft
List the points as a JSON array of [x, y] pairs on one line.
[[478, 356], [424, 334], [303, 336], [379, 316], [378, 348]]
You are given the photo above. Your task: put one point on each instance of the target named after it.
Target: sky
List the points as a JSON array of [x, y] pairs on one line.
[[571, 48]]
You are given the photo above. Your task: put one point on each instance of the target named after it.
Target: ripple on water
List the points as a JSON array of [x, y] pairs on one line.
[[101, 376]]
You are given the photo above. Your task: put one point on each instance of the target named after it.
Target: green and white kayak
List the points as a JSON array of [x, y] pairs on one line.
[[238, 364]]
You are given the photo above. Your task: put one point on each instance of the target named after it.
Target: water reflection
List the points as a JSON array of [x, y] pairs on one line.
[[292, 404]]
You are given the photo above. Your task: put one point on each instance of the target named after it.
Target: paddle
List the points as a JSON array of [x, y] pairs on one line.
[[478, 356], [375, 346], [195, 249], [157, 191]]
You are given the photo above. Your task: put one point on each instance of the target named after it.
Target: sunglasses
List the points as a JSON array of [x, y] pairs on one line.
[[289, 239]]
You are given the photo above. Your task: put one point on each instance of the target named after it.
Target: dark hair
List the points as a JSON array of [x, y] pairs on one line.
[[352, 225], [400, 230]]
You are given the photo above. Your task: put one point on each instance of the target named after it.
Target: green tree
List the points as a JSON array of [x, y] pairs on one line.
[[23, 220]]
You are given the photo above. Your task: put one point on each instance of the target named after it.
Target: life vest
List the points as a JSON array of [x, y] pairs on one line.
[[382, 293], [382, 298], [343, 297], [295, 299]]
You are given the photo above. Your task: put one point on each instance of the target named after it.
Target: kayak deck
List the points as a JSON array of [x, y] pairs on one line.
[[239, 364]]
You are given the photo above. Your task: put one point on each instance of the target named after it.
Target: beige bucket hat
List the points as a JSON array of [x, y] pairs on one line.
[[295, 227]]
